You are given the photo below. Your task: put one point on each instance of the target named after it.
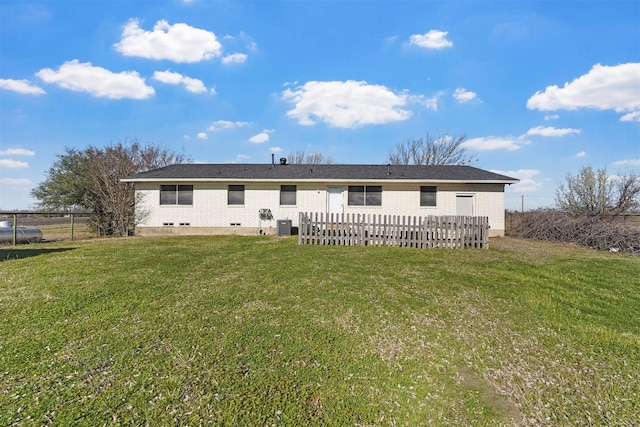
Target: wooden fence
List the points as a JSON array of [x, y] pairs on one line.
[[394, 230]]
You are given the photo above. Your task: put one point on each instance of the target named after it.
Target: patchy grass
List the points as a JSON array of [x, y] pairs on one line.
[[261, 331]]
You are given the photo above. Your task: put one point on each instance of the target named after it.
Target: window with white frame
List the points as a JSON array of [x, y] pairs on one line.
[[428, 195], [176, 194], [365, 195], [288, 195], [236, 195]]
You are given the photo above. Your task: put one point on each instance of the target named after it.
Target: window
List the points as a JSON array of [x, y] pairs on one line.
[[236, 195], [176, 194], [361, 195], [428, 195], [287, 195]]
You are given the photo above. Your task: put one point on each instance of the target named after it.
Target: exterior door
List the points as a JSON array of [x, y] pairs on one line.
[[334, 200], [464, 204]]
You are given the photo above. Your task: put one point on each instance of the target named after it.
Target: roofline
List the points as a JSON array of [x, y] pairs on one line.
[[395, 181]]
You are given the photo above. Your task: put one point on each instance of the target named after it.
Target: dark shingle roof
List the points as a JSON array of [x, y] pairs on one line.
[[333, 172]]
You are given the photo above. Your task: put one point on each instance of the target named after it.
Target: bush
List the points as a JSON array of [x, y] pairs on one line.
[[595, 232]]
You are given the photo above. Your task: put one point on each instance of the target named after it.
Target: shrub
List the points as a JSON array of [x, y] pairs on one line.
[[596, 232]]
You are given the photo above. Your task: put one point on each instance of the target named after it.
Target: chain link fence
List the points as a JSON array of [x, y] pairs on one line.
[[36, 227]]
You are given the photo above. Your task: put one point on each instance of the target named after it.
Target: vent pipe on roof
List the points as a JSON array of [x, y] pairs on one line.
[[388, 168], [273, 159], [283, 160]]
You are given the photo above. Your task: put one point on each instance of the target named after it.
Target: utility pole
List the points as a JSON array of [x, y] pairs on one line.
[[522, 203]]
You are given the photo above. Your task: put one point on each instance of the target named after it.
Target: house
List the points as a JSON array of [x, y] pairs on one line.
[[228, 198]]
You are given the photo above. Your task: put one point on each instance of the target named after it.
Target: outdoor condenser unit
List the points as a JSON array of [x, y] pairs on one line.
[[283, 227]]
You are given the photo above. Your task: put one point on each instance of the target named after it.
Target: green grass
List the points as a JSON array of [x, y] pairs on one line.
[[260, 331]]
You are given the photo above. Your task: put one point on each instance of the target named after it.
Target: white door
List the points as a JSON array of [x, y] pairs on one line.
[[334, 200], [464, 204]]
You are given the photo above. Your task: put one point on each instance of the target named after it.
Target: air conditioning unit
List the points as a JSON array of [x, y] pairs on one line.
[[283, 227]]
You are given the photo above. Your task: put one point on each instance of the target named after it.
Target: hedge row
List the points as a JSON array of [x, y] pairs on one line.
[[596, 232]]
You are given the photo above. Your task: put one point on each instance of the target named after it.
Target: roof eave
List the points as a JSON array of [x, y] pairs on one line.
[[332, 180]]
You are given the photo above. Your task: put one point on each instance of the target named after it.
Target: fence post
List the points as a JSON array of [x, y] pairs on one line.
[[15, 229], [72, 227]]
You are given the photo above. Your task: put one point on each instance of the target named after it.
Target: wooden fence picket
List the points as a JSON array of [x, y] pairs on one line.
[[393, 230]]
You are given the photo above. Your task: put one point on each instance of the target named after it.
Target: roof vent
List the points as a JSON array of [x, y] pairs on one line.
[[283, 160]]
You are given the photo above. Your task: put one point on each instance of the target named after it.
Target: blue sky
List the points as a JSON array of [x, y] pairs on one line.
[[540, 88]]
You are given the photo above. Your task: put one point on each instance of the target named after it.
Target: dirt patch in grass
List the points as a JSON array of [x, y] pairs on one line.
[[498, 403]]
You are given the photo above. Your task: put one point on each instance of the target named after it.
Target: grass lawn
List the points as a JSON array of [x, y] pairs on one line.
[[260, 331]]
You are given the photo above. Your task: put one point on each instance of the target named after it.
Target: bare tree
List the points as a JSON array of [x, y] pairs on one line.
[[441, 150], [311, 158], [90, 180], [594, 192]]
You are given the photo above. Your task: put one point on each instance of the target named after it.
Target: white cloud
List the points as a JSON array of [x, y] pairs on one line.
[[275, 149], [346, 104], [495, 143], [627, 162], [634, 116], [430, 103], [260, 138], [551, 131], [226, 124], [99, 82], [242, 158], [434, 39], [13, 164], [235, 58], [21, 86], [602, 88], [202, 135], [173, 78], [462, 95], [527, 182], [17, 152], [581, 154], [18, 182], [551, 117], [177, 43]]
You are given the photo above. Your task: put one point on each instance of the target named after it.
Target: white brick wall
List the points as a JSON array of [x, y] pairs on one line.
[[210, 208]]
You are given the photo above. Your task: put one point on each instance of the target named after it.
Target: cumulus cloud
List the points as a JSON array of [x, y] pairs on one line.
[[551, 117], [21, 86], [462, 95], [13, 164], [347, 104], [527, 182], [178, 43], [235, 58], [627, 162], [16, 182], [98, 81], [17, 152], [202, 135], [581, 154], [261, 138], [225, 124], [551, 131], [634, 116], [275, 149], [434, 39], [495, 143], [173, 78], [602, 88]]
